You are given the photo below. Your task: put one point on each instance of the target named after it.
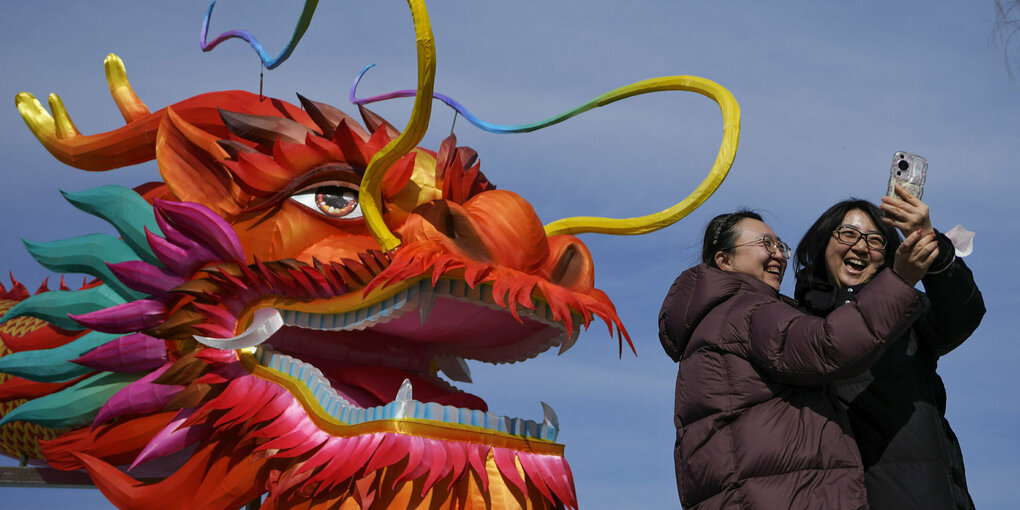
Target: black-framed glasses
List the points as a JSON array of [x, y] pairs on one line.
[[770, 244], [849, 235]]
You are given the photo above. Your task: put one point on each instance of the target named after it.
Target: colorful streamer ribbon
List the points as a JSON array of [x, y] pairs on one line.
[[452, 103], [420, 115], [623, 226], [270, 63]]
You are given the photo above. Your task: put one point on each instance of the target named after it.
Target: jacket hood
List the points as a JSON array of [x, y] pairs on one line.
[[693, 295]]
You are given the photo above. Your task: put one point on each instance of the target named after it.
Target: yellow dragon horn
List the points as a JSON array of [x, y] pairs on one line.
[[128, 145], [721, 167], [371, 183], [127, 101]]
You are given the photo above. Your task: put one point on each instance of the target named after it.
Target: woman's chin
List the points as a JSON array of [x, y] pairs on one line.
[[852, 278], [773, 280]]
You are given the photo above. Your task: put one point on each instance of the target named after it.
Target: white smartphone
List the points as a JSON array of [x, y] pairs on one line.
[[908, 170]]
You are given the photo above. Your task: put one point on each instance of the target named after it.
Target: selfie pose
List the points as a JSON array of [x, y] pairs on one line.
[[897, 409], [756, 422]]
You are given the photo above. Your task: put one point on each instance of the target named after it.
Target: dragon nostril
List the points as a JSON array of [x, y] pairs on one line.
[[449, 224], [566, 269], [573, 268], [456, 225], [437, 213]]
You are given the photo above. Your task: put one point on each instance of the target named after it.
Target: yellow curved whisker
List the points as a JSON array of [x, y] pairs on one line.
[[371, 183], [724, 160]]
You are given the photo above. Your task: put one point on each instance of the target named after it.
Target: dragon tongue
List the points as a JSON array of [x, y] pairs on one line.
[[383, 384], [465, 400]]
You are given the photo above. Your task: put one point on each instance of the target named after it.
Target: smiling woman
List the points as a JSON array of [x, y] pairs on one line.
[[832, 251], [755, 251], [911, 457], [755, 420]]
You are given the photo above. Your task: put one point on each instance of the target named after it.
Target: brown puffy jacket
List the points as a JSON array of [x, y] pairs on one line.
[[757, 424]]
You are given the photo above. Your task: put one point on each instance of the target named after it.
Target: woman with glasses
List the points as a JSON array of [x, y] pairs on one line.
[[757, 424], [897, 408]]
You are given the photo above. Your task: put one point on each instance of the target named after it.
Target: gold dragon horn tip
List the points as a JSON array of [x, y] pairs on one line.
[[65, 127], [25, 98], [131, 108], [38, 120]]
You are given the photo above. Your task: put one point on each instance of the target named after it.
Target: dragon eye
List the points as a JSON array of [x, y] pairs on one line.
[[335, 200]]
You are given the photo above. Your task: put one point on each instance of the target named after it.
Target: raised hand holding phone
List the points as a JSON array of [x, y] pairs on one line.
[[906, 212]]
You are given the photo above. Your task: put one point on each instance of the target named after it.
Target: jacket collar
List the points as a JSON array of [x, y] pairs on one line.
[[821, 298]]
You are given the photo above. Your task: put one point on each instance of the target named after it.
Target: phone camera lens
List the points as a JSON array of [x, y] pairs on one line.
[[903, 165]]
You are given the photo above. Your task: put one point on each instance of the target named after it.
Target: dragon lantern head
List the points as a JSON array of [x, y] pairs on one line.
[[277, 329], [275, 315]]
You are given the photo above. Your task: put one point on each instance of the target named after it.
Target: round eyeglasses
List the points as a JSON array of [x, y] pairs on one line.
[[849, 235], [770, 244]]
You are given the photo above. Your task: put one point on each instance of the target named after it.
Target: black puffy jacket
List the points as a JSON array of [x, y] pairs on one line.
[[911, 456]]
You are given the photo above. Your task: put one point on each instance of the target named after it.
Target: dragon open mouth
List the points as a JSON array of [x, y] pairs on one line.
[[381, 362], [360, 342]]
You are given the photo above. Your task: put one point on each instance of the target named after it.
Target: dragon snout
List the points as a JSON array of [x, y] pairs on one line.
[[499, 227]]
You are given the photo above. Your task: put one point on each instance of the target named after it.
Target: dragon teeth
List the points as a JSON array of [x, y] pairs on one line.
[[265, 323], [379, 313], [421, 296], [549, 416], [405, 392], [403, 406], [426, 300], [570, 339], [454, 367]]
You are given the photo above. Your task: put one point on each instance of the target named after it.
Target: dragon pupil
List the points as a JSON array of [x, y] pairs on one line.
[[335, 200]]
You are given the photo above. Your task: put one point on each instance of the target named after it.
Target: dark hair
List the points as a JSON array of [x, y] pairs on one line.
[[809, 259], [722, 232]]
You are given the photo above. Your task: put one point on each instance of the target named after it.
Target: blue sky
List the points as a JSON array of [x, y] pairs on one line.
[[828, 91]]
